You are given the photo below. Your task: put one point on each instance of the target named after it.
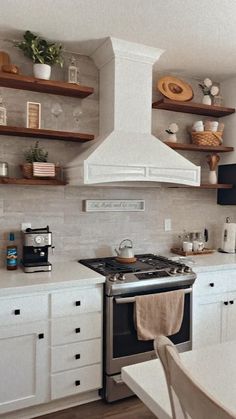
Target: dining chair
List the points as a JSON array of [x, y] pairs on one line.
[[188, 399]]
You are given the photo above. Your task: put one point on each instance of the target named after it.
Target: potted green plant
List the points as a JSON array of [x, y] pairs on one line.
[[44, 54], [33, 154]]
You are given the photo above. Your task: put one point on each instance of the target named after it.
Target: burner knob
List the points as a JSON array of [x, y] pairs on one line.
[[173, 270], [121, 277], [113, 278], [187, 269], [180, 269]]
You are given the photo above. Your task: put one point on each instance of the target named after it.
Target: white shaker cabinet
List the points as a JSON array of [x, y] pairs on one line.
[[76, 341], [231, 317], [214, 308], [23, 352], [50, 347]]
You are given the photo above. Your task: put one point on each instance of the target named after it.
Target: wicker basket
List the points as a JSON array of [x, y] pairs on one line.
[[27, 172], [206, 138]]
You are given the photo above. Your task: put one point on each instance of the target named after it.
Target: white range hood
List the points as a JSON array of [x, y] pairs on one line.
[[126, 152]]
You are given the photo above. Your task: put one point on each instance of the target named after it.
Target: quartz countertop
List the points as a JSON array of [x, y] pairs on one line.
[[209, 262], [147, 379], [63, 275]]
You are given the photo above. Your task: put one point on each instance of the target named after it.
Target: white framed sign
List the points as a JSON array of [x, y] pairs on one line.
[[33, 115], [96, 205]]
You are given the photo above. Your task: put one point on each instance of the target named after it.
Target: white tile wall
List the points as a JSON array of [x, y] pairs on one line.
[[78, 234]]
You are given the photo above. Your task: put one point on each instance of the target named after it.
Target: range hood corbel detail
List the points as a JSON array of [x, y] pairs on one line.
[[126, 153]]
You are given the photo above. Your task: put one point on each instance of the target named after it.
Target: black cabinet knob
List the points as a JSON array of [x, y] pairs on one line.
[[77, 356], [77, 330], [226, 303], [41, 336], [17, 312], [77, 382], [231, 302], [77, 303], [212, 284]]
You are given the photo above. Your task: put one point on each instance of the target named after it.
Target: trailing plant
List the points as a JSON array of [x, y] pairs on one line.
[[36, 154], [39, 50]]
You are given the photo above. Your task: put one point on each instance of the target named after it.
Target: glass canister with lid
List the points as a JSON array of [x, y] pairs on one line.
[[3, 169]]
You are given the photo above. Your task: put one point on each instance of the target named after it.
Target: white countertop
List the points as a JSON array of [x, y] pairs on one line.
[[147, 379], [72, 273], [63, 274], [209, 262]]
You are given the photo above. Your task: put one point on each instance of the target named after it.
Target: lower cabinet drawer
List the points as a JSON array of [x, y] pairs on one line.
[[76, 355], [76, 381], [210, 283], [76, 328], [17, 310]]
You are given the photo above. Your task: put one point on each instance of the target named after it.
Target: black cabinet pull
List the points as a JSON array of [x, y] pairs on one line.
[[77, 382], [212, 284], [41, 336], [77, 330], [231, 302], [226, 303], [77, 356], [77, 303], [17, 312]]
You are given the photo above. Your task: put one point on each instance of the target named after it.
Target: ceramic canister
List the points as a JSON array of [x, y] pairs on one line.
[[3, 169]]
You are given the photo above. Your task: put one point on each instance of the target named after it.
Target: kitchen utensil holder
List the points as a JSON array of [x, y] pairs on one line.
[[207, 138]]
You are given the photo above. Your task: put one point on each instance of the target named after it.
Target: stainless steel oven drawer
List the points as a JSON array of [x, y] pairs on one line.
[[117, 388]]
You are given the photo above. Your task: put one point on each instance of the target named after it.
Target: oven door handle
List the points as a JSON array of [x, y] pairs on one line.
[[127, 300]]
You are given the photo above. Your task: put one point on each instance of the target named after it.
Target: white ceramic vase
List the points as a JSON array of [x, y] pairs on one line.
[[206, 100], [212, 177], [172, 138], [42, 71]]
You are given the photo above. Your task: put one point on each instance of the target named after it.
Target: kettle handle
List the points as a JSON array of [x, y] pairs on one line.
[[125, 241]]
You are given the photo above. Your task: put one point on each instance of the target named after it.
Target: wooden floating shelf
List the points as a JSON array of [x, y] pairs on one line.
[[34, 182], [206, 186], [194, 147], [193, 108], [45, 133], [216, 186], [55, 87]]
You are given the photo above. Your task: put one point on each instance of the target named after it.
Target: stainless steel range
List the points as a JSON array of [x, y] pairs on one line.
[[124, 281]]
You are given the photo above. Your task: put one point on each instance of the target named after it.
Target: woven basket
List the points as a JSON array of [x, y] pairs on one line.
[[27, 172], [206, 138]]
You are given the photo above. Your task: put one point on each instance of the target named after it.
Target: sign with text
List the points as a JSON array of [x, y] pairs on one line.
[[33, 115], [114, 205]]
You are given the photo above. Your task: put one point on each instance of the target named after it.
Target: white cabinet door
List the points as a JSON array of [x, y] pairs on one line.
[[209, 320], [23, 366], [231, 317]]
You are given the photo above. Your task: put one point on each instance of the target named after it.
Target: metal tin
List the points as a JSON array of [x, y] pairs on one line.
[[3, 169]]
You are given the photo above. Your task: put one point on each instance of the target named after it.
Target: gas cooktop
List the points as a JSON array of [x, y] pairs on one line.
[[145, 262], [148, 270]]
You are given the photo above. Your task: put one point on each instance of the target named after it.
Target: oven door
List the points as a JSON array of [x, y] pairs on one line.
[[122, 345]]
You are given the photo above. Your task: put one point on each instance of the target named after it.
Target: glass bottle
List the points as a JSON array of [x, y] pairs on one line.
[[11, 253], [3, 112], [72, 71]]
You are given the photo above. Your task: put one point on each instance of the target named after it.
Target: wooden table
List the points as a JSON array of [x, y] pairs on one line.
[[214, 367]]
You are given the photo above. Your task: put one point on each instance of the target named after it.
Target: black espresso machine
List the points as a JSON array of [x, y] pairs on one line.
[[36, 243]]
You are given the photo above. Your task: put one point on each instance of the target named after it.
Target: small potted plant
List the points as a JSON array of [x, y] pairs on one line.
[[172, 130], [44, 54], [208, 91], [36, 154]]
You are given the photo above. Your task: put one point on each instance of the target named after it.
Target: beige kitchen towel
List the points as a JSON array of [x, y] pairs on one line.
[[159, 314]]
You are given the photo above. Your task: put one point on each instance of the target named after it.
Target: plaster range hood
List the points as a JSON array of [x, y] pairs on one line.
[[126, 153]]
